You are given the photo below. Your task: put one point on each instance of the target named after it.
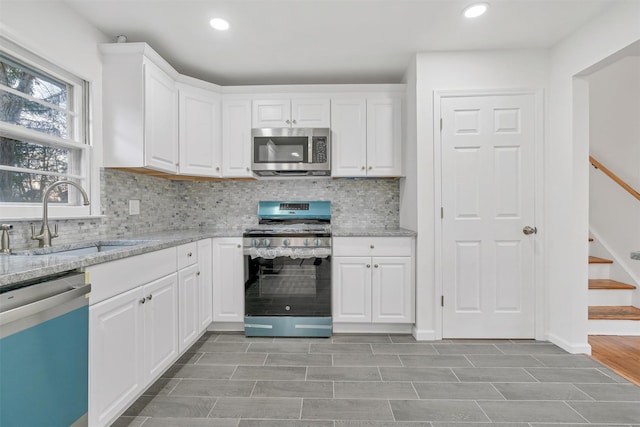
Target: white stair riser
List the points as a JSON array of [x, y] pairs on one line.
[[614, 327], [599, 271], [610, 297]]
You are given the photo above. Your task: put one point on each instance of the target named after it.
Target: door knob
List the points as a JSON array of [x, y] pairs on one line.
[[529, 230]]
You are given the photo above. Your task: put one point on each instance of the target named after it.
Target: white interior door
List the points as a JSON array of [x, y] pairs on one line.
[[487, 146]]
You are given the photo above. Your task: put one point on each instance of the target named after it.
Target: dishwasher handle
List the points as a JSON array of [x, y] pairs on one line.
[[45, 304]]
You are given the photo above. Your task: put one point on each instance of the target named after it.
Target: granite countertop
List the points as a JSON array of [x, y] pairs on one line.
[[371, 232], [635, 255], [17, 268]]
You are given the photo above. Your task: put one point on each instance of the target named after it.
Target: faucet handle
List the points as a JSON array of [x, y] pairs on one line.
[[55, 230], [33, 232]]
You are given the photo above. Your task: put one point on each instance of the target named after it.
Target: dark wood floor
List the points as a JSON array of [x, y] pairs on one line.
[[620, 353]]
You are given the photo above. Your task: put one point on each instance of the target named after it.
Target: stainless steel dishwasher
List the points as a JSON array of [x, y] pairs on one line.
[[44, 337]]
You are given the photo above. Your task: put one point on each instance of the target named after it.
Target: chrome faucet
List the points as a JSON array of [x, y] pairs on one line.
[[5, 248], [45, 235]]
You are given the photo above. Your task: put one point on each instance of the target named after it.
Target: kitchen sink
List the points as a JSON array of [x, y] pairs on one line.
[[84, 248]]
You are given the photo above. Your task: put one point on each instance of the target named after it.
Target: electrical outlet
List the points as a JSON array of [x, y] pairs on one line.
[[134, 207]]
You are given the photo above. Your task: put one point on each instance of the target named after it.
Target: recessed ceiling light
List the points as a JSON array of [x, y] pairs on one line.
[[475, 10], [219, 24]]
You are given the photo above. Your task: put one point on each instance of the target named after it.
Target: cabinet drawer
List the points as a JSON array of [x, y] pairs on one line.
[[372, 246], [187, 254], [115, 277]]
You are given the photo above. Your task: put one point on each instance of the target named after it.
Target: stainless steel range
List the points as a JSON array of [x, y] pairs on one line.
[[288, 270]]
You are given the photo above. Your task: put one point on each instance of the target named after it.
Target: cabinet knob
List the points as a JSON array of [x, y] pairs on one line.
[[370, 167], [217, 168], [149, 297], [198, 273], [190, 254], [248, 169], [375, 265], [362, 168], [143, 300], [295, 122], [368, 265], [372, 247], [239, 246], [287, 121]]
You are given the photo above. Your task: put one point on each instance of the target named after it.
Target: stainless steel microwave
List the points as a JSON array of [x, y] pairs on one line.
[[291, 151]]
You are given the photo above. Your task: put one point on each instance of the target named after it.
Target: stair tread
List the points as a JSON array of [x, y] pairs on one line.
[[614, 313], [596, 260], [608, 284]]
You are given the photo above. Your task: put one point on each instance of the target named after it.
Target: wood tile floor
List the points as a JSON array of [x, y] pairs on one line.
[[382, 381], [620, 353]]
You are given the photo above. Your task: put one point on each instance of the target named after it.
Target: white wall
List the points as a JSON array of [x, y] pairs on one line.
[[614, 140], [567, 168], [471, 71], [55, 32]]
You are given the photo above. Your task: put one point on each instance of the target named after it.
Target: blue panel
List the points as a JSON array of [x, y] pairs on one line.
[[44, 373], [317, 210], [285, 326]]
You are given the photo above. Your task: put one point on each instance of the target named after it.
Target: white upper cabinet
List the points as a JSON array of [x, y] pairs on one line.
[[200, 132], [140, 108], [366, 136], [236, 138], [296, 112]]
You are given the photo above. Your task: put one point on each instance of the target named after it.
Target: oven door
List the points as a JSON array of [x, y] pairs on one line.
[[288, 297]]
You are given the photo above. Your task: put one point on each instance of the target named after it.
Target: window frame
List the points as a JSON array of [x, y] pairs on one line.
[[79, 140]]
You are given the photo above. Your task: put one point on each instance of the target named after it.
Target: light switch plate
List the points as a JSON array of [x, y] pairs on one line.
[[134, 207]]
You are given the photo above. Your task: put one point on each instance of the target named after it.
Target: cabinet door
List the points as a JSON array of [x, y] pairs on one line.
[[236, 138], [200, 134], [311, 113], [392, 290], [160, 119], [384, 137], [351, 289], [228, 280], [161, 324], [271, 113], [116, 368], [205, 284], [188, 300], [348, 137]]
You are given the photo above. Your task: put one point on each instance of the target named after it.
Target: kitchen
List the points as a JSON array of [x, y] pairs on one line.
[[169, 199]]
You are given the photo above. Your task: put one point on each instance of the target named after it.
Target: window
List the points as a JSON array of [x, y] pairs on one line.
[[43, 126]]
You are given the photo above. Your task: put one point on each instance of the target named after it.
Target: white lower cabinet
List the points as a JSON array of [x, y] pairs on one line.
[[373, 289], [189, 306], [133, 338], [205, 284], [228, 280]]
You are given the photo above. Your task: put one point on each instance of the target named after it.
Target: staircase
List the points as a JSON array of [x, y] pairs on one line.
[[610, 309]]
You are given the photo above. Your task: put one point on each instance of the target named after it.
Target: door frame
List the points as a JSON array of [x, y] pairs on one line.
[[539, 201]]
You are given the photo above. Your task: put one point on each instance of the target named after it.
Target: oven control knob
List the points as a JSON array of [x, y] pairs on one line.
[[266, 242], [306, 242], [285, 242], [318, 242], [255, 243]]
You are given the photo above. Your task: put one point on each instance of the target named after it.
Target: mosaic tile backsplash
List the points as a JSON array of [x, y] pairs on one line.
[[175, 205]]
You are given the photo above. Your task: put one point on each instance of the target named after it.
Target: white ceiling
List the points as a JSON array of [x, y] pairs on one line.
[[327, 41]]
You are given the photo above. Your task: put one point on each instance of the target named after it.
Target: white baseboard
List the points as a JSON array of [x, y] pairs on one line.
[[424, 334], [226, 327], [573, 348], [371, 328]]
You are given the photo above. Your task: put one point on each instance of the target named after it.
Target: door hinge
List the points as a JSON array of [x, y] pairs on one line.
[[441, 300], [440, 123], [441, 213]]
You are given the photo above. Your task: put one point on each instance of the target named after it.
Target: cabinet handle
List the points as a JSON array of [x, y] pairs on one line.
[[143, 300], [149, 297], [368, 265], [375, 265]]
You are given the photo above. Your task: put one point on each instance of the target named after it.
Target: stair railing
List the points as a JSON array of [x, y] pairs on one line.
[[596, 164]]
